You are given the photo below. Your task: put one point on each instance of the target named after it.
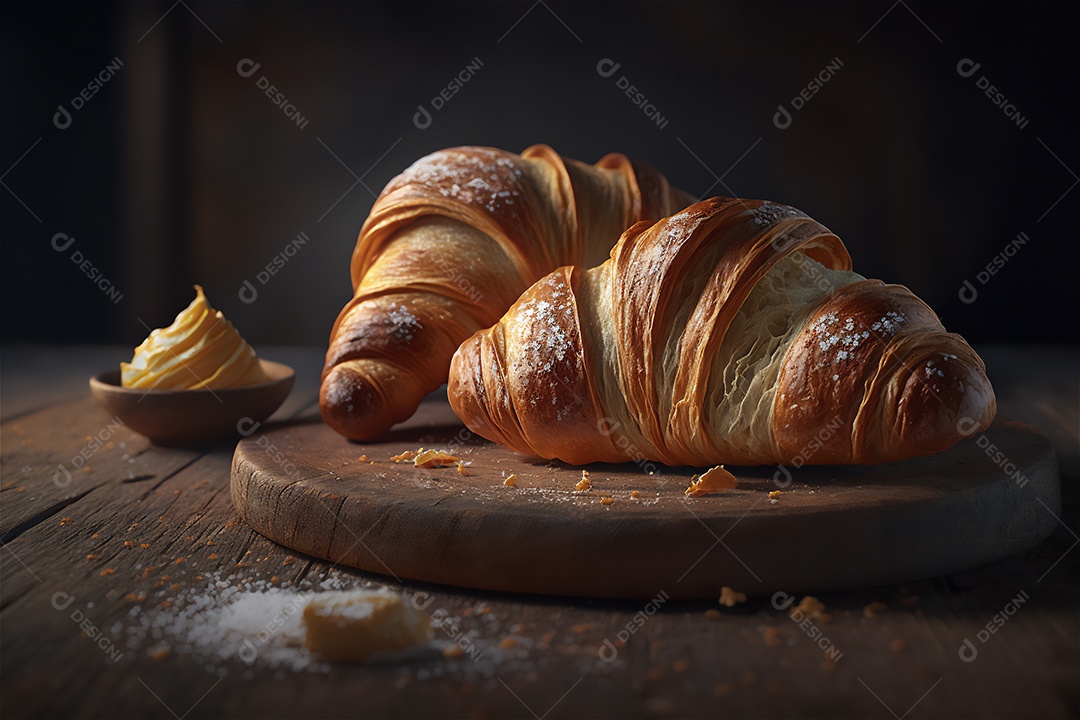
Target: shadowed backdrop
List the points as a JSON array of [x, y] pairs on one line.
[[145, 147]]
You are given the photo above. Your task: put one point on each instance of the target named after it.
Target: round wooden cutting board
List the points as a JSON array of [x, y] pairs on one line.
[[830, 528]]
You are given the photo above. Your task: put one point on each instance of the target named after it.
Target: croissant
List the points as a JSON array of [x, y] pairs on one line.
[[449, 245], [731, 332]]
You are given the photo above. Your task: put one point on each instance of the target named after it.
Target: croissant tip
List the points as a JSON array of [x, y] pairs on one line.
[[952, 399], [350, 405]]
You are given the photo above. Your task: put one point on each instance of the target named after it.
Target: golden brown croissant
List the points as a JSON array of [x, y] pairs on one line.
[[449, 245], [731, 332]]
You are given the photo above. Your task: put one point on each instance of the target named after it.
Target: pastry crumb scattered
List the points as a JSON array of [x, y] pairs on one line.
[[406, 456], [434, 459], [362, 458], [462, 473], [871, 610], [772, 636], [584, 483], [606, 500], [635, 494], [713, 480], [511, 480], [350, 626], [729, 598], [774, 494], [810, 607], [713, 614], [160, 652]]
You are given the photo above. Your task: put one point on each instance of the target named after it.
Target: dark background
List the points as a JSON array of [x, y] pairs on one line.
[[179, 170]]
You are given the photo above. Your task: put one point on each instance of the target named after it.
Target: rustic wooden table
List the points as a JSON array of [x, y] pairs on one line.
[[139, 531]]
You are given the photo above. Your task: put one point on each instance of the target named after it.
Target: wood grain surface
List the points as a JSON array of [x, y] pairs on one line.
[[829, 528], [138, 519]]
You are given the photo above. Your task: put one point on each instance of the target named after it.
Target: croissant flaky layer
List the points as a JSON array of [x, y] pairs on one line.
[[449, 245], [731, 332]]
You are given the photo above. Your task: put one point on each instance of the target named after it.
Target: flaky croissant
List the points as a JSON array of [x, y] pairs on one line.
[[449, 245], [731, 332]]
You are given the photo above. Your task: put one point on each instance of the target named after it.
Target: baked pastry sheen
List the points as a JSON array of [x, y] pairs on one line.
[[449, 245], [732, 332]]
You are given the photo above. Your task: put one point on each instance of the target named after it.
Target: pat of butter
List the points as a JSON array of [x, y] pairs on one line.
[[201, 349], [350, 626]]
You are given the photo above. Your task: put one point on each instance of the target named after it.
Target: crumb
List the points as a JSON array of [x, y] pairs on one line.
[[729, 597], [462, 473], [713, 614], [828, 665], [871, 610], [362, 458], [288, 561], [713, 480], [511, 480], [774, 494], [406, 456], [350, 626], [584, 483], [212, 556], [64, 521], [634, 494], [507, 642], [582, 628], [453, 651], [91, 556], [606, 500], [435, 459], [898, 645], [772, 636], [106, 571], [144, 546], [159, 652], [810, 607], [181, 561], [274, 580], [681, 666], [655, 674]]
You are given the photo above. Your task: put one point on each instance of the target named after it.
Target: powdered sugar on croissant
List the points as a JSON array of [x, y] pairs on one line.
[[732, 332]]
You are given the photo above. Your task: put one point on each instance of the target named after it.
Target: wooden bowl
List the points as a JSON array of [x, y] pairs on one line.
[[193, 417]]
